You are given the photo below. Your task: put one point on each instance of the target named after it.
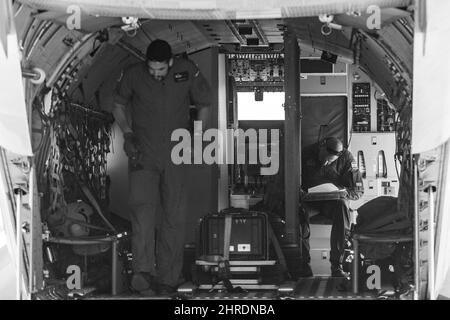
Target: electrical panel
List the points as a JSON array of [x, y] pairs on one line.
[[376, 187], [361, 107], [266, 67], [385, 116]]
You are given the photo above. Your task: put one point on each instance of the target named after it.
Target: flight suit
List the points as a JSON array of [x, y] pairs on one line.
[[157, 108], [343, 173]]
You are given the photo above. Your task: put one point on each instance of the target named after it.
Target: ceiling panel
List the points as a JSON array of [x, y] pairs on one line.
[[308, 31], [183, 36], [213, 9]]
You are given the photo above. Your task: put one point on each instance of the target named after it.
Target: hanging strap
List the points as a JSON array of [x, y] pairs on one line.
[[278, 250], [227, 237], [224, 265], [96, 206]]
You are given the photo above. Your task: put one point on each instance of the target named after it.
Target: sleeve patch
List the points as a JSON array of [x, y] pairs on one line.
[[181, 76]]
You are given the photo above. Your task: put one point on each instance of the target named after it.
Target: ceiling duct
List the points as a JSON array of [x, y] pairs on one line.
[[234, 29], [245, 31], [259, 33], [213, 9]]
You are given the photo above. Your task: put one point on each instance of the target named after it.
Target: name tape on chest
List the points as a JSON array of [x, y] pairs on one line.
[[181, 76]]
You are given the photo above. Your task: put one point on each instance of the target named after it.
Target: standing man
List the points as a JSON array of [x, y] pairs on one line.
[[157, 93], [329, 162]]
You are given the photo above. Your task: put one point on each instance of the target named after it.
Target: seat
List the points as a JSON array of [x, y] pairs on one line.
[[315, 217], [93, 240], [378, 221], [374, 238]]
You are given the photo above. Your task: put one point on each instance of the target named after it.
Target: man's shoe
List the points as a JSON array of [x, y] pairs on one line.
[[338, 273], [306, 271], [142, 281]]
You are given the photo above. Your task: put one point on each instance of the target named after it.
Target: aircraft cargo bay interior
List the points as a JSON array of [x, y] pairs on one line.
[[161, 151]]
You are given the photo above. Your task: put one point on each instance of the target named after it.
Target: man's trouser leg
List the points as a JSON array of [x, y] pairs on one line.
[[144, 201], [338, 211], [170, 238], [306, 233]]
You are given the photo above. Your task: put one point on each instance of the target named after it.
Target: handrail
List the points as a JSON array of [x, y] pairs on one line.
[[9, 184], [416, 231], [431, 244], [86, 240], [8, 203]]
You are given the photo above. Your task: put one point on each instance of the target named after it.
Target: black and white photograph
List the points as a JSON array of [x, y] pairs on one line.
[[225, 158]]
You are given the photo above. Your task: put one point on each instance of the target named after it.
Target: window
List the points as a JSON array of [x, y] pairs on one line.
[[271, 108]]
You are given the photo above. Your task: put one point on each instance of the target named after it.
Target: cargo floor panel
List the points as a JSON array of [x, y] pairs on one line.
[[327, 288], [314, 288]]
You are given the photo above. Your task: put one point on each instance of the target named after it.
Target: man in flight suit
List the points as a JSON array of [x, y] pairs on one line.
[[157, 94], [329, 162]]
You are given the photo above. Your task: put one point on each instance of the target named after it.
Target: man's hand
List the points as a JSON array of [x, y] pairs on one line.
[[347, 194], [131, 146]]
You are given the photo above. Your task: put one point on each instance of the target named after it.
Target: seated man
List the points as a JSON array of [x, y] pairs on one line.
[[329, 162]]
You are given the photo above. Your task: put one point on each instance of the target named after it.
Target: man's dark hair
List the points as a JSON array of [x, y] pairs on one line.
[[333, 146], [159, 50]]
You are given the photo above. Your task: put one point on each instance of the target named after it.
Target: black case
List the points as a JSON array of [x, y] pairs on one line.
[[249, 235]]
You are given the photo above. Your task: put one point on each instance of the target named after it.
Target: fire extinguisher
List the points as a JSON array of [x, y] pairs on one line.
[[381, 165], [361, 164]]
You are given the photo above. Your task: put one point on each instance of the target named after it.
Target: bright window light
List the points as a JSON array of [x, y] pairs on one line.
[[271, 108]]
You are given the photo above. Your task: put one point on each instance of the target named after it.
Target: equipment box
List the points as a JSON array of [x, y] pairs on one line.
[[248, 240]]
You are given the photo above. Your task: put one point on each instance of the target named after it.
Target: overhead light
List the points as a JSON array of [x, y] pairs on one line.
[[131, 24], [130, 20], [326, 18], [328, 25]]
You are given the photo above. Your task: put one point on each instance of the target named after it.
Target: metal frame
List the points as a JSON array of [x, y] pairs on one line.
[[431, 244], [19, 251], [238, 263], [243, 286], [292, 169], [416, 230], [97, 240], [357, 238]]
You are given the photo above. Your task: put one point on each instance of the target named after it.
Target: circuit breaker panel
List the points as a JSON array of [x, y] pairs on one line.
[[249, 68], [361, 107]]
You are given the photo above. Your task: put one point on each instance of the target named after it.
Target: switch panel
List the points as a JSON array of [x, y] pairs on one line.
[[361, 107]]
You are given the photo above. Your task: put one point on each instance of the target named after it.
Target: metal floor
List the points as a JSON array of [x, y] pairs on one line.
[[328, 288], [314, 288]]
